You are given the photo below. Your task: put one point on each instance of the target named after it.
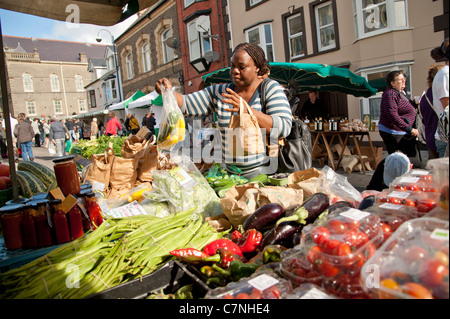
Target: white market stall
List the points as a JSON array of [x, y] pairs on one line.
[[150, 102]]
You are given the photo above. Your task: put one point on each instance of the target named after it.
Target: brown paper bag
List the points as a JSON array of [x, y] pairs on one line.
[[123, 173], [244, 134], [286, 197], [240, 202], [148, 159], [99, 170], [132, 145]]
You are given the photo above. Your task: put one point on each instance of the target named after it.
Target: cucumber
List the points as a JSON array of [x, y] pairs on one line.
[[222, 183], [260, 178]]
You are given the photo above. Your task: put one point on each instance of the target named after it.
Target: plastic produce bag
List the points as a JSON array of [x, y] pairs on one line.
[[186, 188], [339, 186], [172, 128]]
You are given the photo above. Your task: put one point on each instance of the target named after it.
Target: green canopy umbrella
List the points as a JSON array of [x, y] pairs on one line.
[[301, 77]]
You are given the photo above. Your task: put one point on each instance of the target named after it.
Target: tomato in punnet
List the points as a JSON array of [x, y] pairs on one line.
[[336, 226], [425, 205], [442, 257], [412, 187], [387, 231], [352, 224], [408, 202], [327, 269], [243, 295], [426, 178], [432, 272], [357, 261], [320, 235], [313, 254], [342, 250], [414, 253], [4, 170], [400, 187], [362, 238], [330, 245], [388, 284], [351, 238], [416, 290], [369, 250], [273, 292]]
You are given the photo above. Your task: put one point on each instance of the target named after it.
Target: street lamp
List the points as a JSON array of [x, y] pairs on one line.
[[116, 64]]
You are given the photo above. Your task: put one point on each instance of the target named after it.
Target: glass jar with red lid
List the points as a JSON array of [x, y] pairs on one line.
[[44, 224], [29, 230], [60, 222], [67, 175], [11, 218], [75, 220]]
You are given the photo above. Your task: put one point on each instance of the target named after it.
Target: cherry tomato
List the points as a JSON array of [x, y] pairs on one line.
[[362, 238], [320, 235], [388, 284], [400, 187], [314, 277], [369, 251], [357, 261], [228, 296], [336, 226], [416, 290], [395, 223], [314, 254], [351, 238], [352, 224], [414, 253], [273, 292], [299, 272], [425, 205], [408, 202], [426, 178], [400, 277], [243, 295], [342, 250], [331, 245], [412, 187], [395, 201], [256, 294], [387, 231], [328, 270], [432, 272]]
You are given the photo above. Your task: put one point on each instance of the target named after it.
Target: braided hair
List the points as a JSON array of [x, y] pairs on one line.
[[257, 54]]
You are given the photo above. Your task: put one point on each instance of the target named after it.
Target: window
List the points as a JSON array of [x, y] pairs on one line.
[[187, 3], [296, 38], [31, 107], [129, 65], [110, 63], [262, 36], [82, 106], [146, 57], [79, 83], [54, 82], [27, 83], [168, 53], [376, 76], [250, 4], [110, 90], [372, 17], [92, 99], [57, 107], [254, 2], [198, 44], [325, 26]]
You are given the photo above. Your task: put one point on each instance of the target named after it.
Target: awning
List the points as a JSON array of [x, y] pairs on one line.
[[90, 114], [150, 99], [124, 104]]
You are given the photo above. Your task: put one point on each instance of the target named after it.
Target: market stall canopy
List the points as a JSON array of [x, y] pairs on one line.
[[150, 99], [90, 114], [98, 12], [301, 77], [124, 104]]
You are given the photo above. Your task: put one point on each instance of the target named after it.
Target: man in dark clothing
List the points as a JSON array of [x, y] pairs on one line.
[[314, 107], [149, 122]]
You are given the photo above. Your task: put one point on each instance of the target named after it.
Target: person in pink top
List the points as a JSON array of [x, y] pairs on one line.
[[112, 125]]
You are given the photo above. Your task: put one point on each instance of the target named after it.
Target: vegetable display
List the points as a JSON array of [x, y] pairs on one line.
[[87, 148]]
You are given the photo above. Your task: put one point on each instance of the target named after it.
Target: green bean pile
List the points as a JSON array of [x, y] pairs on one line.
[[118, 251]]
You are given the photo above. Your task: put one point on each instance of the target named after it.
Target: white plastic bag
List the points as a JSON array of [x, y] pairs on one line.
[[172, 127], [339, 186]]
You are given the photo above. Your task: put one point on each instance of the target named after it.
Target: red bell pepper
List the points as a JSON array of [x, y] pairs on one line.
[[249, 241], [192, 255], [226, 257], [227, 244]]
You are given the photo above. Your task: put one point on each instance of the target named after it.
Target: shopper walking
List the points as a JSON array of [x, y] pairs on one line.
[[148, 122], [113, 125], [58, 136], [37, 132], [46, 128], [134, 125], [70, 126], [94, 129], [25, 133]]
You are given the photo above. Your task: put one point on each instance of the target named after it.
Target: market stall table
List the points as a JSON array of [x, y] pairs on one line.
[[329, 138]]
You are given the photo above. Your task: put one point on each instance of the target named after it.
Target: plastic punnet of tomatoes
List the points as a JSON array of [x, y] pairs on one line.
[[261, 285], [295, 267], [309, 291], [412, 264], [440, 168], [416, 180], [424, 202]]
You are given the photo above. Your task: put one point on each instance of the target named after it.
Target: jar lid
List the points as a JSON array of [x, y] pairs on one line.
[[17, 201], [63, 158], [7, 209], [40, 201], [85, 186], [39, 196], [30, 204], [55, 201]]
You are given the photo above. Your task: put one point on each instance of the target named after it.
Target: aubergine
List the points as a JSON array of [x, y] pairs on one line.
[[367, 202], [340, 206], [307, 212], [264, 217], [281, 234]]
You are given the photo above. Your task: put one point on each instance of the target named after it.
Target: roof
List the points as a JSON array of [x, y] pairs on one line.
[[56, 50]]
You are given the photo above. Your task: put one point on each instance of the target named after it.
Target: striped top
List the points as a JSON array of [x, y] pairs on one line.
[[210, 100], [397, 113]]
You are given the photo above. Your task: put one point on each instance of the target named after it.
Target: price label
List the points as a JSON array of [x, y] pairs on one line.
[[396, 194], [409, 180], [355, 214], [390, 206], [263, 282], [182, 177], [129, 210], [441, 234], [315, 293]]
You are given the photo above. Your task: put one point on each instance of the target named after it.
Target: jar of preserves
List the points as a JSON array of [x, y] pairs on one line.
[[11, 218], [29, 231], [94, 210], [75, 222], [60, 222], [67, 175], [43, 224], [81, 202]]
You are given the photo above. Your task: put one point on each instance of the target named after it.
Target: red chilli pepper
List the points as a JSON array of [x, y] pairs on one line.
[[250, 241], [227, 244], [192, 255], [235, 236]]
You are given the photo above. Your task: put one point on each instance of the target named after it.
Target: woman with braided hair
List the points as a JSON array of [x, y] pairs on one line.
[[249, 67]]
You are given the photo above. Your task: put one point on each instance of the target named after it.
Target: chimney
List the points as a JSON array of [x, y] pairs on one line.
[[83, 57]]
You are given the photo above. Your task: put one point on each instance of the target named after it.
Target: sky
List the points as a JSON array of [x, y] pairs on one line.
[[26, 25]]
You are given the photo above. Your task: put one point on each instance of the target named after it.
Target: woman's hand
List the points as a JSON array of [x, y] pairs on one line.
[[162, 82], [415, 132], [234, 99]]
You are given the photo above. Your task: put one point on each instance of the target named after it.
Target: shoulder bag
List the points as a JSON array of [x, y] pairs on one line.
[[442, 123]]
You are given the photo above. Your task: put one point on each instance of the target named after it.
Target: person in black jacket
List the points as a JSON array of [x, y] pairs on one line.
[[149, 122]]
